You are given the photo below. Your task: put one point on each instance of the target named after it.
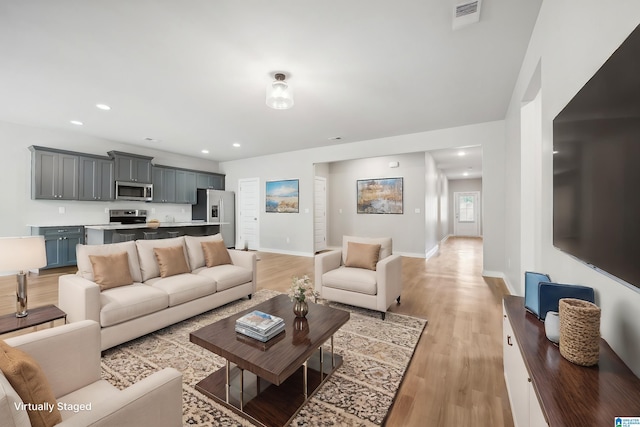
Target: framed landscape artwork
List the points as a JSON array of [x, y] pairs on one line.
[[282, 196], [380, 196]]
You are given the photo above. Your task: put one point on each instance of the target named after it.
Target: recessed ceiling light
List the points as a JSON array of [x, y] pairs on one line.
[[205, 151], [236, 144], [104, 107], [461, 153], [466, 174], [555, 151], [76, 122]]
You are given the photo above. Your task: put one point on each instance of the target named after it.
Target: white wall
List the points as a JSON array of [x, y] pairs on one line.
[[18, 210], [300, 165], [407, 230], [570, 41], [460, 186]]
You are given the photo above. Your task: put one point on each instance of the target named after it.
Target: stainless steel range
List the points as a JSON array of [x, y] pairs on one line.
[[128, 216]]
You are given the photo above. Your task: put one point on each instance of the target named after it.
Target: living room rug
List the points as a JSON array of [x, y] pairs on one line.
[[376, 354]]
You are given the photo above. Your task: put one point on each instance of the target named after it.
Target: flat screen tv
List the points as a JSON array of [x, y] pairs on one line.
[[596, 168]]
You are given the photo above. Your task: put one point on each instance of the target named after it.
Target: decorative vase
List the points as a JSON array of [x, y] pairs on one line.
[[300, 308], [552, 326], [579, 331]]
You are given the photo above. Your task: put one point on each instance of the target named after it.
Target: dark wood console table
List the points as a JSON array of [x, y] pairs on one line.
[[572, 395], [37, 316]]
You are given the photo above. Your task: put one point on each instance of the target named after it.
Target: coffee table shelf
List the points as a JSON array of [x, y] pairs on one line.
[[266, 384]]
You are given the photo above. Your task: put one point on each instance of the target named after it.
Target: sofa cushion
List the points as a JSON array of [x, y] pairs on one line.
[[194, 248], [111, 271], [386, 247], [28, 380], [171, 261], [362, 255], [148, 263], [351, 279], [85, 269], [129, 302], [10, 402], [184, 287], [215, 253], [227, 275]]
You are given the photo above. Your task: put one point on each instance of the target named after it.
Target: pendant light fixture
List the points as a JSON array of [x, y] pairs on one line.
[[279, 93]]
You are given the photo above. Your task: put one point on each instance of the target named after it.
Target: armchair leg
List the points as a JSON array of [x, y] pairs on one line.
[[383, 315], [250, 295], [398, 299]]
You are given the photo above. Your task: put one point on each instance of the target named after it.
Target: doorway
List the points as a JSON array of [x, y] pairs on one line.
[[248, 214], [467, 213], [320, 214]]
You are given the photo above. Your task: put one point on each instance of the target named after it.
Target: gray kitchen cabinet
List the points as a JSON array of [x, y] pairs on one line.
[[54, 174], [131, 167], [164, 185], [60, 244], [210, 181], [185, 187], [96, 180]]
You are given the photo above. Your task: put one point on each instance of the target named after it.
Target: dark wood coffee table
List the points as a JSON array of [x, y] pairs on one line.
[[267, 383]]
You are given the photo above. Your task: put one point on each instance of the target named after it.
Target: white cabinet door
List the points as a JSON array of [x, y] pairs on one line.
[[516, 376], [536, 417]]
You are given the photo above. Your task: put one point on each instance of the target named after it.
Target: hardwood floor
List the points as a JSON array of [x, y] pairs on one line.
[[455, 377]]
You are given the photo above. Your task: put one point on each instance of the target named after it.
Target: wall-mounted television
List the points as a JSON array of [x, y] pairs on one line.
[[596, 168]]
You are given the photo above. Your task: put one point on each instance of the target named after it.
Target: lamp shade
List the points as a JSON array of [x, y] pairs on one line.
[[22, 253], [279, 93]]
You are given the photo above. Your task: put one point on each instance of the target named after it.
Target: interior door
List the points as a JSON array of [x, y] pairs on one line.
[[249, 214], [320, 214], [467, 213]]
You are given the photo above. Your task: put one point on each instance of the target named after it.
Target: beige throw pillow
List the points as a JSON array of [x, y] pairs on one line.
[[215, 253], [362, 255], [27, 379], [171, 260], [111, 271]]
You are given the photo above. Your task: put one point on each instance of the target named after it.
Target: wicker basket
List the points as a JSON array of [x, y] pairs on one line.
[[579, 331]]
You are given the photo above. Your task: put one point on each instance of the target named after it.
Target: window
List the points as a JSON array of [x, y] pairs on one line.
[[466, 206]]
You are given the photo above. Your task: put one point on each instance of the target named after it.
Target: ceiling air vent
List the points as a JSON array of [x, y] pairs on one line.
[[466, 13]]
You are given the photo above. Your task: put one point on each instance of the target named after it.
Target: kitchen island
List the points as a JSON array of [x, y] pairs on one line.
[[114, 232]]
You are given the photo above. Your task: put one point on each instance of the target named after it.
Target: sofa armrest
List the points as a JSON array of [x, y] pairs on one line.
[[389, 278], [69, 355], [79, 298], [246, 259], [324, 262], [154, 401]]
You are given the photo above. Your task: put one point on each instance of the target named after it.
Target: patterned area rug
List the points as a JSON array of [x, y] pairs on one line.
[[376, 354]]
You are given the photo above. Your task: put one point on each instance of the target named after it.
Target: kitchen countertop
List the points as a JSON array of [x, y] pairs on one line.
[[118, 226]]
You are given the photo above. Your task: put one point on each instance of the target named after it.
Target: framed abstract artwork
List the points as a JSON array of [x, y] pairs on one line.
[[282, 196], [380, 196]]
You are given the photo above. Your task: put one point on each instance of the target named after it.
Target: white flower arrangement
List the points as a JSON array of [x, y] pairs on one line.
[[301, 288]]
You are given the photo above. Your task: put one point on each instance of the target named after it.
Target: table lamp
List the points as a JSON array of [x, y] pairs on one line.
[[22, 254]]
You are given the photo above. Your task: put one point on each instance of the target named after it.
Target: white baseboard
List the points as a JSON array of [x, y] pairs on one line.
[[499, 275], [409, 254], [284, 252], [433, 252]]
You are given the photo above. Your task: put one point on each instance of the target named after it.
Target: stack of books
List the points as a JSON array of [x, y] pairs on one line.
[[260, 326]]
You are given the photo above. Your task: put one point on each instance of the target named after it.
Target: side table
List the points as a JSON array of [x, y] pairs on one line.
[[36, 316]]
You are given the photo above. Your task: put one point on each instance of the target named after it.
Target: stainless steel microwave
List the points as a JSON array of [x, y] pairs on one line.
[[134, 191]]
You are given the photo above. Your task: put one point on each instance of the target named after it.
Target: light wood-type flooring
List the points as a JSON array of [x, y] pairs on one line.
[[455, 377]]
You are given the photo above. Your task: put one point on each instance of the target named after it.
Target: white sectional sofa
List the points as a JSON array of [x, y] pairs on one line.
[[152, 301]]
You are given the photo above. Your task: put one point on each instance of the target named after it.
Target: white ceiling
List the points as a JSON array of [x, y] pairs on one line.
[[192, 74]]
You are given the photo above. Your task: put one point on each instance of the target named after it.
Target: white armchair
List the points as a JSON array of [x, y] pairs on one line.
[[69, 355], [340, 277]]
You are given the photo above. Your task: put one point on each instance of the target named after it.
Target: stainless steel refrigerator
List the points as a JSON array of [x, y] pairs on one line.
[[217, 206]]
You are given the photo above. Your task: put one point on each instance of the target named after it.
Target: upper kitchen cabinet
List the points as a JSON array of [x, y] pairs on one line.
[[164, 185], [210, 181], [186, 187], [96, 178], [131, 167], [54, 174]]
